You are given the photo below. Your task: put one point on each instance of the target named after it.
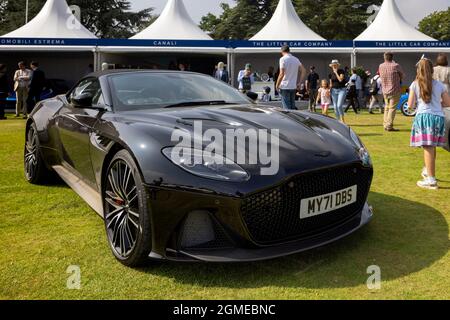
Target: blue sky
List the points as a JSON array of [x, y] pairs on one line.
[[413, 10]]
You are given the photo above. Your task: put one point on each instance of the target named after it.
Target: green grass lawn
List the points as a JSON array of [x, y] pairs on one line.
[[43, 230]]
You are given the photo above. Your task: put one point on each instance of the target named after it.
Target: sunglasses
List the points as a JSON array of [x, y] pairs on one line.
[[422, 58]]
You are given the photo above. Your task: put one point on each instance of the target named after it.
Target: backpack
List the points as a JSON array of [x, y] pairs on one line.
[[373, 90], [246, 83]]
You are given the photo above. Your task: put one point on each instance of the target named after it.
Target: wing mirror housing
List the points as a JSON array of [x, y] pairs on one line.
[[83, 100], [252, 95]]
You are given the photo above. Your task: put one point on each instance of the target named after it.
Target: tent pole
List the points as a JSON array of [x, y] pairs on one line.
[[230, 66], [95, 59], [26, 12], [353, 58]]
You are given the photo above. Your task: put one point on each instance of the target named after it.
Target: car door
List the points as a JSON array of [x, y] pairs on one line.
[[75, 125]]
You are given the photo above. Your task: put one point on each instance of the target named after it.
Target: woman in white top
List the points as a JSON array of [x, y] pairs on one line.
[[428, 129], [442, 71]]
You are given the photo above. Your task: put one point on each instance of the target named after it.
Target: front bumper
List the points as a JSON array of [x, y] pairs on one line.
[[258, 226], [276, 251]]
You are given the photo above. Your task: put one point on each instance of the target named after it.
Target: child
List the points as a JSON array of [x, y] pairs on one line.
[[428, 129], [324, 95], [266, 97]]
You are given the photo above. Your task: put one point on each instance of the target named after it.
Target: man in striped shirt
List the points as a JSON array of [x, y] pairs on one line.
[[391, 75]]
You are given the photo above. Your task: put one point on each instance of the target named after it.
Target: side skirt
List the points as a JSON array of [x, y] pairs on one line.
[[91, 196]]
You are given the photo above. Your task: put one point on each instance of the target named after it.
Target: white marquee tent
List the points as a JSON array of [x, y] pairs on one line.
[[392, 30], [285, 24], [55, 20], [175, 37], [166, 35], [391, 25], [39, 40], [173, 23]]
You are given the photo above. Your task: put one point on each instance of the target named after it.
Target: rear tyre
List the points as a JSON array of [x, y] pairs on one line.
[[126, 211], [35, 169]]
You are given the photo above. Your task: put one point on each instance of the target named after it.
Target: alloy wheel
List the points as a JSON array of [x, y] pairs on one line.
[[408, 112], [122, 208], [31, 149]]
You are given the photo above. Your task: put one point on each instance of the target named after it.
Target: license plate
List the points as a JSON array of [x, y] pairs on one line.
[[328, 202]]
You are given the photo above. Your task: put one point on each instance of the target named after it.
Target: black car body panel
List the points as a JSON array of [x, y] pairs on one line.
[[317, 156]]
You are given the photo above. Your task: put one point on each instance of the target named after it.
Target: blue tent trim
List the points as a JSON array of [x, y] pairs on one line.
[[233, 44]]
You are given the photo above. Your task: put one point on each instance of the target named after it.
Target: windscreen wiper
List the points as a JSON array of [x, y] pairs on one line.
[[198, 103]]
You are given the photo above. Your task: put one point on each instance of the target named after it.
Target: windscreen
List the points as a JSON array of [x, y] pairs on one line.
[[144, 90]]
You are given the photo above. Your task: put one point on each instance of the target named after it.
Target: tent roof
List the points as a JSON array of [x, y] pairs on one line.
[[285, 24], [173, 23], [55, 20], [390, 25]]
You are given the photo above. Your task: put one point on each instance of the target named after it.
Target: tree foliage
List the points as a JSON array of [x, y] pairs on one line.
[[437, 25], [332, 19], [105, 18]]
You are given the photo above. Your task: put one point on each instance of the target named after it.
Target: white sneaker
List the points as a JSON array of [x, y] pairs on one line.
[[430, 184]]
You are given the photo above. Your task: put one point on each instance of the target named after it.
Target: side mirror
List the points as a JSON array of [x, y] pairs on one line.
[[252, 95], [83, 100]]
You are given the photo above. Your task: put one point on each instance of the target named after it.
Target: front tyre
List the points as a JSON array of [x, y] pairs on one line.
[[126, 211], [34, 166]]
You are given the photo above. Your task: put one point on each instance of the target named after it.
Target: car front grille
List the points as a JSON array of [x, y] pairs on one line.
[[273, 216]]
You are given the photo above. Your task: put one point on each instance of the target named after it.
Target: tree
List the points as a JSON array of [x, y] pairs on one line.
[[437, 25], [104, 18], [342, 20], [113, 18], [239, 22], [332, 19]]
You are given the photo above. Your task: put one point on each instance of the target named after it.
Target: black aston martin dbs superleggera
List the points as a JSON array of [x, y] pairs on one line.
[[284, 182]]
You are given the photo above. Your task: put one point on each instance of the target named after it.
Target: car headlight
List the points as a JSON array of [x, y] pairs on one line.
[[363, 153], [205, 164]]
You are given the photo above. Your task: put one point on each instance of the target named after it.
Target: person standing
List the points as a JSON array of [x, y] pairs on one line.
[[4, 90], [352, 96], [271, 73], [22, 79], [37, 85], [292, 73], [358, 81], [312, 83], [365, 95], [376, 93], [392, 75], [428, 131], [338, 89], [246, 78], [442, 71], [221, 73]]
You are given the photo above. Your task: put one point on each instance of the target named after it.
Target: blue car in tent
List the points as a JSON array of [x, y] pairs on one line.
[[404, 108], [53, 88]]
